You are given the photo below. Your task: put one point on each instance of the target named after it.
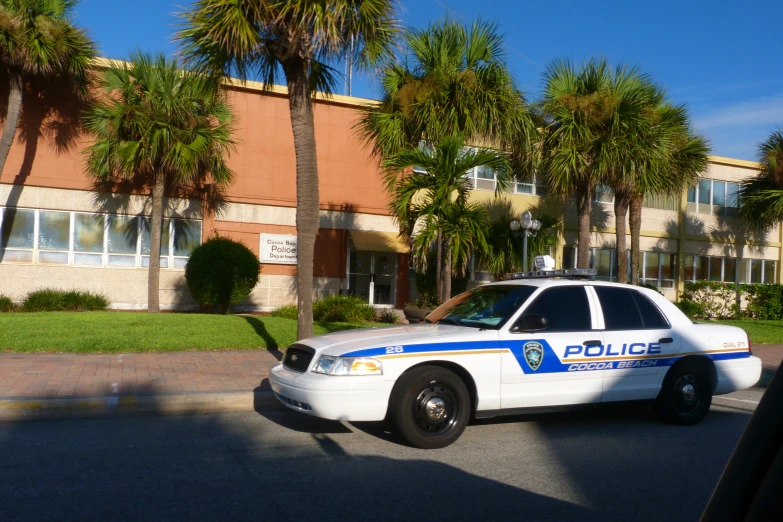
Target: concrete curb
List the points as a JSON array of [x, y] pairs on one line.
[[114, 405]]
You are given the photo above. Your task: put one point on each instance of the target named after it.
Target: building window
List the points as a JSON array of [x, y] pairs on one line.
[[662, 202], [710, 196], [603, 194], [658, 269], [82, 239], [603, 260], [730, 269]]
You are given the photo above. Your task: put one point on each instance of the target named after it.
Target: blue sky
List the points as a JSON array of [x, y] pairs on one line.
[[722, 59]]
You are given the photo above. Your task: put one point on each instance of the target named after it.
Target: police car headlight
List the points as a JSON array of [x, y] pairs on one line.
[[330, 365]]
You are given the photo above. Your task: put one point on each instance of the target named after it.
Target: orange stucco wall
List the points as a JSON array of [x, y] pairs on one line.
[[264, 160]]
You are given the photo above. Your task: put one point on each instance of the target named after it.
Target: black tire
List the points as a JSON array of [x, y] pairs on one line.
[[686, 394], [435, 390]]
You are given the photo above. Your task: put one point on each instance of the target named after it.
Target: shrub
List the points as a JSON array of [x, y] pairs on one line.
[[689, 308], [221, 272], [52, 300], [386, 316], [716, 300], [343, 309], [6, 304], [425, 301], [286, 312], [763, 301]]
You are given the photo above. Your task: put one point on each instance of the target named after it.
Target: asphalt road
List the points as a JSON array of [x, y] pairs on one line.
[[616, 463]]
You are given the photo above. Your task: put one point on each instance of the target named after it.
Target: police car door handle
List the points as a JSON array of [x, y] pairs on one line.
[[592, 343], [665, 340]]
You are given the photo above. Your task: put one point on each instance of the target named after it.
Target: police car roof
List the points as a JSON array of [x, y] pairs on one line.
[[556, 281]]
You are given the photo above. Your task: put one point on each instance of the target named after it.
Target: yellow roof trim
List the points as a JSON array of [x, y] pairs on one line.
[[734, 162], [379, 241], [260, 87]]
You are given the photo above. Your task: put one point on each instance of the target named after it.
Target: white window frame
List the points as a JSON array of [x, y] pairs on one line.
[[738, 260], [712, 208], [658, 280]]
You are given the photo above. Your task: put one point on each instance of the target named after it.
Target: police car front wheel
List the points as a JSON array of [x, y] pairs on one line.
[[430, 407], [686, 394]]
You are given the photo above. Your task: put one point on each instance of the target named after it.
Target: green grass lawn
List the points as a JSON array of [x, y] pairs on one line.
[[760, 332], [122, 332]]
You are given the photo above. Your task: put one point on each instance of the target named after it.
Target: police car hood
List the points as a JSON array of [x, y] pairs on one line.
[[340, 343]]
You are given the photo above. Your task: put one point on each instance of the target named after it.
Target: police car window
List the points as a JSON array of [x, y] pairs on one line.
[[487, 306], [651, 315], [619, 308], [565, 307]]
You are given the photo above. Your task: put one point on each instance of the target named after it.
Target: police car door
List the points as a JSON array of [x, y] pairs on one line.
[[534, 369], [638, 344]]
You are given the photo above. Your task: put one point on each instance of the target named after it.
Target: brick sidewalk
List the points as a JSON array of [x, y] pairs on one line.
[[25, 376], [770, 355]]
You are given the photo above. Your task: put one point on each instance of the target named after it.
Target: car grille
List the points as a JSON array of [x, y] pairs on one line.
[[297, 358], [292, 402]]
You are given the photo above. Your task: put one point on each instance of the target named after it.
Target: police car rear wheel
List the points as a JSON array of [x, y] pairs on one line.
[[686, 394], [430, 407]]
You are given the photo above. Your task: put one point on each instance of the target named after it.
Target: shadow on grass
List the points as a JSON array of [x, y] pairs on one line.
[[270, 342]]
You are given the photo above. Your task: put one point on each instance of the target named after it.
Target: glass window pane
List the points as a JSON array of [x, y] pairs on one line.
[[602, 262], [88, 259], [569, 257], [124, 261], [187, 236], [769, 272], [603, 194], [88, 233], [702, 267], [667, 266], [705, 193], [619, 309], [53, 231], [541, 191], [180, 262], [689, 268], [550, 305], [732, 195], [16, 256], [18, 228], [484, 172], [58, 258], [716, 266], [719, 193], [146, 225], [729, 270], [755, 271], [164, 262], [651, 265], [692, 194], [122, 235], [744, 267], [524, 188]]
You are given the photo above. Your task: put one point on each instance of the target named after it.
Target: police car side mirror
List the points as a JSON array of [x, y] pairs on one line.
[[529, 323]]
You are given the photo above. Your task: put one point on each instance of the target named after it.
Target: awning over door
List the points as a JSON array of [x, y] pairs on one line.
[[379, 241]]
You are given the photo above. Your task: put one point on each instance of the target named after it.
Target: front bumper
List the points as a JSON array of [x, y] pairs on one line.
[[332, 397], [737, 374]]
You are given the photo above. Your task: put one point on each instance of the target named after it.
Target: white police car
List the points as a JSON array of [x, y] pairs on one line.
[[541, 340]]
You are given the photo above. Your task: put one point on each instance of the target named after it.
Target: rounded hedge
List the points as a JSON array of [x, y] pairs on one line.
[[221, 272]]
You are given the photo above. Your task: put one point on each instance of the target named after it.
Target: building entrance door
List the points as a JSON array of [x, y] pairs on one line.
[[371, 276]]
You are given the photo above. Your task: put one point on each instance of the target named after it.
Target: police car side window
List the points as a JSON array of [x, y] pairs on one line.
[[619, 308], [566, 309], [652, 317]]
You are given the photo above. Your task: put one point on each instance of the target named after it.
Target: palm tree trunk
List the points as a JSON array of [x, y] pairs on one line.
[[584, 199], [447, 274], [635, 221], [439, 269], [307, 209], [621, 202], [12, 119], [153, 278]]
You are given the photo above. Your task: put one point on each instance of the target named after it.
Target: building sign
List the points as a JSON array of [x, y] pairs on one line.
[[278, 248]]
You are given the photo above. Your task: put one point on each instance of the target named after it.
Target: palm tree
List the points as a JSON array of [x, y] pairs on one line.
[[452, 80], [39, 41], [761, 197], [503, 254], [590, 117], [434, 197], [161, 127], [300, 38], [676, 157]]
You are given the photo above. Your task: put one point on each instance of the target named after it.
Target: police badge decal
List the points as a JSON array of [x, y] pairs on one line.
[[534, 354]]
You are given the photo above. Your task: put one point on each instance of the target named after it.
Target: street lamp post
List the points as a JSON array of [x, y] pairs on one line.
[[527, 226]]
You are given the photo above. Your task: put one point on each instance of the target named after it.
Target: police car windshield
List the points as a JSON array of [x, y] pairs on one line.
[[483, 307]]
